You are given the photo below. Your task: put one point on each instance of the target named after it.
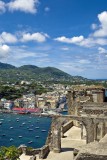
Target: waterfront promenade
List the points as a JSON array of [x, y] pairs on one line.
[[72, 140]]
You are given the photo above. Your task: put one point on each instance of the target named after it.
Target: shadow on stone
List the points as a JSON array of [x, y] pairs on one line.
[[67, 149]]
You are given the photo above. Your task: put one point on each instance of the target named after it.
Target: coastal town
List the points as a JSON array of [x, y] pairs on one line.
[[46, 103], [71, 107], [53, 81]]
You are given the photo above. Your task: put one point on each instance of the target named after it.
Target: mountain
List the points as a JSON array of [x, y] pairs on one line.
[[6, 66], [28, 67], [30, 72]]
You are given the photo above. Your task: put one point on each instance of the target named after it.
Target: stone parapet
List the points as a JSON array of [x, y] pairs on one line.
[[66, 127], [44, 152]]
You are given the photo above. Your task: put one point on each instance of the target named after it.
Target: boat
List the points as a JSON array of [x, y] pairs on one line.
[[0, 123], [37, 136], [30, 129], [1, 119], [37, 127], [30, 142], [20, 136], [11, 139], [43, 130], [11, 127], [23, 123], [3, 135]]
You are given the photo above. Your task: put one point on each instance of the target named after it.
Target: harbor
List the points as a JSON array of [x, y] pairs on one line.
[[18, 129]]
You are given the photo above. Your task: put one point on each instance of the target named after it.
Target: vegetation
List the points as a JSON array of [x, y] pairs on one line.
[[9, 153], [31, 73], [13, 92]]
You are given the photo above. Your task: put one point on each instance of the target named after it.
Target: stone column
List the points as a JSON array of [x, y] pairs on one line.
[[70, 102], [95, 131], [89, 124], [81, 130], [56, 135], [102, 129]]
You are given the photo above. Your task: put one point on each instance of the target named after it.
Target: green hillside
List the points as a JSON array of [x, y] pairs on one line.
[[30, 72]]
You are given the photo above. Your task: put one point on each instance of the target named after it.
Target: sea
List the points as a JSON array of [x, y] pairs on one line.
[[16, 129]]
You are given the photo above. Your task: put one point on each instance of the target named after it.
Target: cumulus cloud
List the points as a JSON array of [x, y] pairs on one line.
[[70, 40], [102, 31], [94, 26], [7, 38], [4, 50], [102, 50], [22, 37], [28, 6], [81, 41], [2, 7], [38, 37], [93, 39]]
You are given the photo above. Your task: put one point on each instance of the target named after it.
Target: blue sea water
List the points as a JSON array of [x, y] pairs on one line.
[[23, 129]]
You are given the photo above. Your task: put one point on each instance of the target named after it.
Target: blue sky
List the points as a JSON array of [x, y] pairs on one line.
[[67, 34]]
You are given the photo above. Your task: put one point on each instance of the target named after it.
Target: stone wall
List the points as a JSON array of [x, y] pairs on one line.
[[44, 152], [94, 151], [91, 157], [66, 127]]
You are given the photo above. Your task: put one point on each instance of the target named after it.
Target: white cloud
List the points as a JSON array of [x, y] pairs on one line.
[[28, 6], [70, 67], [4, 50], [102, 32], [74, 40], [38, 37], [81, 41], [2, 7], [65, 48], [93, 39], [47, 9], [22, 37], [94, 26], [102, 50], [7, 38], [84, 61]]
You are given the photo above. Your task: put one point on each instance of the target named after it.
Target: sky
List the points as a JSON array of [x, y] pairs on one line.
[[70, 35]]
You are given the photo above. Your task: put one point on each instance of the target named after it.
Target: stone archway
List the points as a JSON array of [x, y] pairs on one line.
[[90, 123]]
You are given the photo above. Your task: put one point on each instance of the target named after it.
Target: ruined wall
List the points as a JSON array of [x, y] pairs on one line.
[[66, 127], [86, 156]]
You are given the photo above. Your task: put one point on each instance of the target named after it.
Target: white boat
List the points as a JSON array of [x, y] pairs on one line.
[[43, 130], [23, 123], [30, 142], [11, 139], [30, 129]]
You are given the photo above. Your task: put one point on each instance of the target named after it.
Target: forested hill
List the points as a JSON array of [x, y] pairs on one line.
[[31, 72]]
